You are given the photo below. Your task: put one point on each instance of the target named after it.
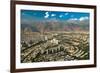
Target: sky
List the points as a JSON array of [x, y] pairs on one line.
[[49, 15]]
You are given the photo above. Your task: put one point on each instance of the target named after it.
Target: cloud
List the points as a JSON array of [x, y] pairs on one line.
[[79, 19], [46, 15], [73, 19], [83, 18], [53, 14], [60, 16], [66, 13]]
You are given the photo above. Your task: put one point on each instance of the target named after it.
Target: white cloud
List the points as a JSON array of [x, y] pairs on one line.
[[66, 13], [46, 15], [83, 18], [60, 16], [73, 19], [80, 19], [53, 14]]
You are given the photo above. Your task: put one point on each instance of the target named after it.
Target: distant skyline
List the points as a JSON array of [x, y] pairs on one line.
[[29, 15]]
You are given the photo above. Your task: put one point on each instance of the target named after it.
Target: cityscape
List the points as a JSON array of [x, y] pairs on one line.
[[54, 36]]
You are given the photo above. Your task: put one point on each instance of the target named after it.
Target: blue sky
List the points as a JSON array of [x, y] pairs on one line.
[[46, 15]]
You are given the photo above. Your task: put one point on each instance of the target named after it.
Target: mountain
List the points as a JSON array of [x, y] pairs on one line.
[[56, 25]]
